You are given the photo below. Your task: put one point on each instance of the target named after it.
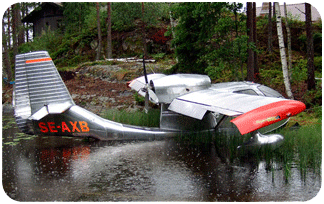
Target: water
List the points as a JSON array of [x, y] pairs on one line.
[[70, 169]]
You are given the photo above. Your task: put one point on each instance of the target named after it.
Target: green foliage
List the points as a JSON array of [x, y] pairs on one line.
[[125, 14], [139, 118], [158, 56], [299, 71], [75, 14], [210, 38], [193, 33], [318, 63], [272, 77], [313, 98], [47, 42], [139, 99]]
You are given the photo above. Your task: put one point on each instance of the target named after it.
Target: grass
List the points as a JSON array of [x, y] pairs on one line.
[[303, 147], [138, 118]]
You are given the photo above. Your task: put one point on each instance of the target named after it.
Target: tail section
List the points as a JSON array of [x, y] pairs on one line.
[[39, 89], [43, 106]]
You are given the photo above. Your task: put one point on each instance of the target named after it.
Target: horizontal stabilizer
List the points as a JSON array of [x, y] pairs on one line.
[[54, 108], [267, 115]]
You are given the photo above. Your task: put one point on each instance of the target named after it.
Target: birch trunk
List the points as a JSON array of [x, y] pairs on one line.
[[172, 27], [283, 53], [288, 41]]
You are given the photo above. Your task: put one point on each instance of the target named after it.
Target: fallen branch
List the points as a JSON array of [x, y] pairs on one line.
[[131, 60]]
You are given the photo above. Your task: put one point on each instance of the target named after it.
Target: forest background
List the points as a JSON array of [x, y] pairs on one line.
[[205, 38]]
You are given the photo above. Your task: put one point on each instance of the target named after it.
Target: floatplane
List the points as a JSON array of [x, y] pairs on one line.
[[189, 103]]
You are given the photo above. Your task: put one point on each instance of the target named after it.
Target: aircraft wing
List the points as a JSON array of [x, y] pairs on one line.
[[254, 112]]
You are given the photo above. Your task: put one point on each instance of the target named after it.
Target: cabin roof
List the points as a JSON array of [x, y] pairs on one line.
[[294, 11], [46, 9]]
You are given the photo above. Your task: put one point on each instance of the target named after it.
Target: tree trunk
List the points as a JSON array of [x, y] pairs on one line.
[[283, 53], [109, 48], [99, 32], [270, 29], [249, 25], [21, 33], [310, 48], [14, 22], [256, 73], [9, 26], [5, 54], [288, 41], [143, 32], [171, 21], [172, 27]]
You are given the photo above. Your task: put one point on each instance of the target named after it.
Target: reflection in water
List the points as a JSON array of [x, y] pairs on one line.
[[70, 169]]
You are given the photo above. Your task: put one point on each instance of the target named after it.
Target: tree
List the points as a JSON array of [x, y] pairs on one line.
[[109, 48], [125, 14], [283, 52], [288, 40], [193, 34], [14, 21], [256, 73], [99, 32], [172, 25], [249, 26], [270, 29], [5, 54], [310, 48], [143, 32], [228, 46], [75, 14]]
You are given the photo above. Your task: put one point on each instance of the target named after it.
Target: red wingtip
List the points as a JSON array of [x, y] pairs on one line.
[[267, 115]]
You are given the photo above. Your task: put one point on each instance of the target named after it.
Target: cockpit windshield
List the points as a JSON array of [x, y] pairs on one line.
[[269, 91]]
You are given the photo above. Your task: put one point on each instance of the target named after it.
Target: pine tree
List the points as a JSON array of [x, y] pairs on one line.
[[99, 32], [249, 26], [310, 48], [109, 46]]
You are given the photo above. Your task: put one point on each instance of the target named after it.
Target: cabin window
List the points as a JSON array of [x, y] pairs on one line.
[[246, 91], [269, 91]]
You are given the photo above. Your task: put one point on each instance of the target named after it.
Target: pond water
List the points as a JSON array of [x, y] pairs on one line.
[[36, 168]]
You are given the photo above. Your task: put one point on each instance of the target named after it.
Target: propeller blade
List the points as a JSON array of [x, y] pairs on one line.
[[144, 68], [152, 96], [146, 107]]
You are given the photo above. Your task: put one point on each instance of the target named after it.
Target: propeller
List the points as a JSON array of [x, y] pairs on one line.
[[148, 89]]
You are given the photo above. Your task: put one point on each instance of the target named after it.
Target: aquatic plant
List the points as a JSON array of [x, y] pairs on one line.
[[306, 146], [137, 117]]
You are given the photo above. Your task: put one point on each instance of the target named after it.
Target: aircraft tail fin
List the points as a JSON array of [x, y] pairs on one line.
[[39, 89]]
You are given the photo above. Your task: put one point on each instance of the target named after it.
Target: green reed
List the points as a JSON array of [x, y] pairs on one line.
[[138, 118]]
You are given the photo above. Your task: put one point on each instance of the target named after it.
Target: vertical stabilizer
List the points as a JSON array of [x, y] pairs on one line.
[[38, 86]]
